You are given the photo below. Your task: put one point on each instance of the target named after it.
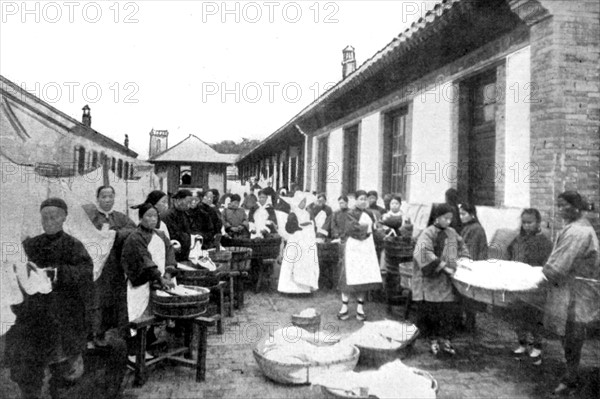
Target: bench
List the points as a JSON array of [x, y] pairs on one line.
[[181, 355]]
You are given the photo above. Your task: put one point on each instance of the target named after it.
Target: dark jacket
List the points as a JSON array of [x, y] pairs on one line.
[[62, 318], [338, 224], [533, 249], [178, 223], [475, 240], [137, 261]]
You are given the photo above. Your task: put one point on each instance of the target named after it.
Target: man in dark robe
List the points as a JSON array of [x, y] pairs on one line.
[[178, 223], [51, 329]]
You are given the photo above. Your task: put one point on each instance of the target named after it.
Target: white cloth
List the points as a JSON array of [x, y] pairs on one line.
[[138, 298], [300, 266], [261, 216], [320, 221], [164, 229], [360, 257]]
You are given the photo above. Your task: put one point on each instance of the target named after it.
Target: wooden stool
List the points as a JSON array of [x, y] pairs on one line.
[[181, 355]]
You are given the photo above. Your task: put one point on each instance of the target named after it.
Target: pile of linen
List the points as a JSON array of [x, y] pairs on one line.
[[294, 345], [497, 274], [392, 380]]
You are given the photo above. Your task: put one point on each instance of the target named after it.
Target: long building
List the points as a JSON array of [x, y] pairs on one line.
[[499, 99]]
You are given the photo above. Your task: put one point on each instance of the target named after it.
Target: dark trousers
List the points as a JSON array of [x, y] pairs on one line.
[[436, 320], [528, 319], [573, 340]]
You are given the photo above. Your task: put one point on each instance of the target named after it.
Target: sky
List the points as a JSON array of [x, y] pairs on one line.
[[221, 70]]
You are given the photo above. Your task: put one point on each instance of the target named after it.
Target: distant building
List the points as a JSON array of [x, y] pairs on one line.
[[189, 164], [35, 133]]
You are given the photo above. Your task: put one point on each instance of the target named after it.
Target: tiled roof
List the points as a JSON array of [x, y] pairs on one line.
[[411, 37], [20, 95], [192, 149]]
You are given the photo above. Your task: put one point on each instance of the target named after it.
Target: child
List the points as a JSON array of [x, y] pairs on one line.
[[532, 247]]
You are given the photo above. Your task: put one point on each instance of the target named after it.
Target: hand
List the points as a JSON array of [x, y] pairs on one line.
[[448, 271], [336, 241], [167, 283], [269, 222], [176, 245]]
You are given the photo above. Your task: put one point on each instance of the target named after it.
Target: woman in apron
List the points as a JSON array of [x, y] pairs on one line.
[[148, 260], [300, 267], [360, 268]]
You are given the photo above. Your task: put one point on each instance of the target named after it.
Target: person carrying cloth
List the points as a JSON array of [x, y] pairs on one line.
[[438, 248], [573, 289]]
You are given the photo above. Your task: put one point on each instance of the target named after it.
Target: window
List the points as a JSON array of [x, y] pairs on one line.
[[157, 150], [351, 142], [293, 169], [131, 172], [185, 175], [94, 159], [113, 165], [397, 153], [322, 164], [81, 160], [120, 169], [126, 172]]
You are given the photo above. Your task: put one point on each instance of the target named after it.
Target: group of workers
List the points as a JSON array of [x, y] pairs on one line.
[[55, 329]]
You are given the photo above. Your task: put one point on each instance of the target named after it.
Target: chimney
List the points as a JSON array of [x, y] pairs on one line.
[[126, 141], [86, 119], [349, 62]]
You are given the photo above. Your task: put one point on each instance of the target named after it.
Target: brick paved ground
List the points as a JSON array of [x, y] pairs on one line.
[[481, 369]]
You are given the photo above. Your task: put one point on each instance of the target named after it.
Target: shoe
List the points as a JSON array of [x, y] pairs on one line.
[[343, 316], [434, 347], [521, 350], [132, 358], [563, 390], [536, 357], [361, 316], [448, 348]]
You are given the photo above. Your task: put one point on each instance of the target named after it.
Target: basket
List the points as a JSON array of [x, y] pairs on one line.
[[299, 374], [262, 248], [198, 277], [398, 250], [376, 357], [500, 298], [240, 258], [338, 393], [311, 324], [406, 274], [180, 307], [221, 259]]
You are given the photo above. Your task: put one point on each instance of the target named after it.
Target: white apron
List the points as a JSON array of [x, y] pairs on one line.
[[138, 298], [300, 266], [261, 216], [361, 258], [320, 221]]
